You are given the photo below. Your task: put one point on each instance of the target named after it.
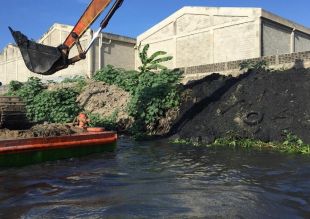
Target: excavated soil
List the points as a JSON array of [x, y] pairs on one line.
[[259, 105], [106, 100], [47, 130]]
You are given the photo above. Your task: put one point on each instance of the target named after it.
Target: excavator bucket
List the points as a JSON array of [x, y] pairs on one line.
[[46, 60], [38, 58]]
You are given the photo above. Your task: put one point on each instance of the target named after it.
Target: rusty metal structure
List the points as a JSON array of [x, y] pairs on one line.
[[47, 60]]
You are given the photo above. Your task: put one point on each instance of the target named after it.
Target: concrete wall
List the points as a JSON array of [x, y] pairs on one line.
[[119, 52], [276, 39], [197, 35], [283, 61], [238, 41], [302, 42], [201, 35], [111, 49]]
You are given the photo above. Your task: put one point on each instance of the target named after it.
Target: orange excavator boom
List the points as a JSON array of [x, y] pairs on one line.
[[92, 12]]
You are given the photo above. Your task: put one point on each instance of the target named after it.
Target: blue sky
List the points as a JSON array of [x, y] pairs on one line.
[[34, 17]]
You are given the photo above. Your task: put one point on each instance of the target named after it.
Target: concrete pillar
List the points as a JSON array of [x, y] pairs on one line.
[[212, 44], [100, 52], [293, 41], [6, 67], [60, 35], [103, 45], [175, 43], [260, 37], [90, 56], [212, 35], [16, 68]]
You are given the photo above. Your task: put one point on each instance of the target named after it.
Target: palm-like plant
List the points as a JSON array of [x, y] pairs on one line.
[[154, 61]]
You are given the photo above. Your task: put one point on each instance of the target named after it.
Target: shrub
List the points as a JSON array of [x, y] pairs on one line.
[[253, 65], [43, 105], [28, 90], [127, 80], [14, 86], [152, 94], [54, 106], [79, 80], [76, 78], [107, 122]]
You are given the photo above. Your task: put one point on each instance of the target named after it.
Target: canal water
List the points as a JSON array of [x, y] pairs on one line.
[[157, 180]]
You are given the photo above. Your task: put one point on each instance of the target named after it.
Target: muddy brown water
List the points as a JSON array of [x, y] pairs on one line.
[[160, 179]]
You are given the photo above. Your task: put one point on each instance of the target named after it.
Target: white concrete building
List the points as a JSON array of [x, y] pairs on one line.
[[197, 36], [108, 49]]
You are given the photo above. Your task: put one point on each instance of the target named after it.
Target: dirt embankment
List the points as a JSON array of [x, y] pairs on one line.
[[40, 131], [97, 98], [259, 105], [106, 100]]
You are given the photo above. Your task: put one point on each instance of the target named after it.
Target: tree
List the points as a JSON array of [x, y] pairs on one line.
[[154, 61]]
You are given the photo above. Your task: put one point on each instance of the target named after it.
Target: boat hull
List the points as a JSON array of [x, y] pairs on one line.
[[23, 152]]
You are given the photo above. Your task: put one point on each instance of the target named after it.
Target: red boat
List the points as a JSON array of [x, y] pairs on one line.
[[19, 152]]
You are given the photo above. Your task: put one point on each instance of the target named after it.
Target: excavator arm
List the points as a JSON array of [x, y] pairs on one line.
[[47, 60], [92, 12]]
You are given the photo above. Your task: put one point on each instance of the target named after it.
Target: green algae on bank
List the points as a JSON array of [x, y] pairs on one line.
[[291, 144]]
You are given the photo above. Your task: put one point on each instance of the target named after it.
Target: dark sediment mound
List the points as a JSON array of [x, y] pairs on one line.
[[258, 105]]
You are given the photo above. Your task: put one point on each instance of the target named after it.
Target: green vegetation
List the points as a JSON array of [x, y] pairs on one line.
[[54, 106], [96, 120], [28, 90], [253, 65], [288, 147], [80, 82], [291, 143], [152, 62], [43, 105], [152, 93], [127, 80], [154, 90]]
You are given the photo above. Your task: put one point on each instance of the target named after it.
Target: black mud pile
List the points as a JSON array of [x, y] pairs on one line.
[[258, 105]]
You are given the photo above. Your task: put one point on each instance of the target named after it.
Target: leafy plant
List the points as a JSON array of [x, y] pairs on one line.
[[109, 123], [44, 105], [291, 139], [126, 80], [54, 106], [80, 82], [253, 65], [14, 86], [152, 94], [153, 62], [28, 90]]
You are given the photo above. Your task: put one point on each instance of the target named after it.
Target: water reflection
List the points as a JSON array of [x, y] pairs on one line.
[[157, 179]]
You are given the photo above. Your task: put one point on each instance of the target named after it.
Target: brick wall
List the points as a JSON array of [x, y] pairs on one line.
[[299, 60]]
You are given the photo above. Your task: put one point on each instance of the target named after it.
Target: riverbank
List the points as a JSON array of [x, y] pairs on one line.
[[292, 144], [257, 109], [260, 105]]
